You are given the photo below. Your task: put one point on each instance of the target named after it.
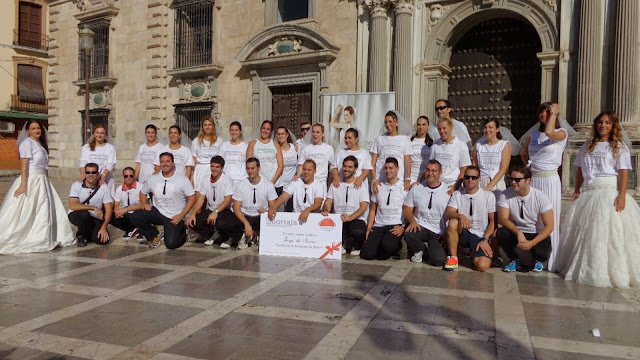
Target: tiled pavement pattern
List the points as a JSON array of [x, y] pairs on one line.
[[125, 301]]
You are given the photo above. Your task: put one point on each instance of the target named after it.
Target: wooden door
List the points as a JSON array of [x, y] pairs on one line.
[[291, 106]]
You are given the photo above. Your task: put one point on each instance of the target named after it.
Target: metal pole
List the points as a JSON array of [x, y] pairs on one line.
[[87, 66]]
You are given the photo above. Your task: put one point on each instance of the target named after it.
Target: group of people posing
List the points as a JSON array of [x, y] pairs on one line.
[[426, 189]]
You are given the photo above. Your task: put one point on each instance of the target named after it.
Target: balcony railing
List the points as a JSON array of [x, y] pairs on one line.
[[31, 40], [20, 105]]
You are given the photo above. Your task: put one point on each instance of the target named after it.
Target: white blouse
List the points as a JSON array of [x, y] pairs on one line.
[[36, 153], [600, 162], [489, 158], [545, 154], [104, 156]]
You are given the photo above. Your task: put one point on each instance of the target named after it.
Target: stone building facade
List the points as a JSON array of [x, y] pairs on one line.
[[163, 61]]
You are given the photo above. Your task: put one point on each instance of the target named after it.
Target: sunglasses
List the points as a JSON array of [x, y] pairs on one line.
[[129, 176], [469, 177], [305, 129], [517, 180], [441, 107], [91, 172]]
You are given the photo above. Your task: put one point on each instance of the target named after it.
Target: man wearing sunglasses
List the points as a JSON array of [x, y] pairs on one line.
[[471, 222], [304, 129], [127, 200], [526, 216], [90, 206], [443, 110]]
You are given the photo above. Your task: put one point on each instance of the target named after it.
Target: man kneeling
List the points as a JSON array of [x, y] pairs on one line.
[[527, 218]]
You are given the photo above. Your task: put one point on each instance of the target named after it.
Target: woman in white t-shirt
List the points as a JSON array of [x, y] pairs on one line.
[[182, 156], [99, 151], [351, 138], [452, 154], [289, 162], [421, 144], [268, 152], [600, 244], [492, 156], [322, 154], [234, 153], [147, 154], [543, 154], [32, 217], [205, 146], [391, 144]]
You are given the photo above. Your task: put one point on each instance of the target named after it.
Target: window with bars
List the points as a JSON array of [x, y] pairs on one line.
[[193, 33], [99, 54], [96, 117], [189, 117], [289, 10]]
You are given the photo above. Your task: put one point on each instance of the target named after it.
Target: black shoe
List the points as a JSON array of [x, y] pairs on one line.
[[81, 241]]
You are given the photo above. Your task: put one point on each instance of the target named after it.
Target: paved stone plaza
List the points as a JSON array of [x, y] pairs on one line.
[[125, 301]]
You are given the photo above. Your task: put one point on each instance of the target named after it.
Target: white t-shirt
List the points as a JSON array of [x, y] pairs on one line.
[[290, 162], [81, 192], [459, 131], [235, 157], [322, 154], [37, 155], [489, 158], [146, 156], [430, 205], [389, 199], [128, 197], [545, 154], [169, 194], [298, 190], [600, 161], [347, 199], [206, 151], [363, 156], [181, 158], [215, 191], [104, 156], [452, 157], [484, 203], [533, 206], [267, 154], [396, 147], [419, 158], [262, 192]]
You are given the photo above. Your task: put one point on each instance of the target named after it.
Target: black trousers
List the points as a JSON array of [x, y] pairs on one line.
[[174, 235], [381, 244], [288, 206], [123, 223], [206, 230], [230, 225], [508, 241], [415, 243], [88, 226], [353, 234]]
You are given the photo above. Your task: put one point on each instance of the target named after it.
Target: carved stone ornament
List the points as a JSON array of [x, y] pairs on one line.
[[377, 7], [436, 11], [403, 5], [551, 4], [85, 5], [197, 91], [100, 99], [286, 45]]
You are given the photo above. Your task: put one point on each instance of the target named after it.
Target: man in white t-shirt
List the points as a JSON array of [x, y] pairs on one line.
[[424, 209], [91, 206], [443, 110], [352, 204], [322, 154], [471, 222], [307, 193], [526, 216], [173, 197], [252, 197], [216, 191], [127, 200], [304, 129]]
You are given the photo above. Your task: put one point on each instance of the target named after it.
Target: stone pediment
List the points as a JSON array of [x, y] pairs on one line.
[[286, 45]]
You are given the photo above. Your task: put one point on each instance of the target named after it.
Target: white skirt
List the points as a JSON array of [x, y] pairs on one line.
[[550, 186], [497, 190], [600, 247], [35, 222], [202, 171]]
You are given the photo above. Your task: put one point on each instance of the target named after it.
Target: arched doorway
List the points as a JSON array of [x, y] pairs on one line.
[[495, 74]]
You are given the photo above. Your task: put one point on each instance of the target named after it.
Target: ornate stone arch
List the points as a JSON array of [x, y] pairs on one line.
[[456, 19], [286, 54]]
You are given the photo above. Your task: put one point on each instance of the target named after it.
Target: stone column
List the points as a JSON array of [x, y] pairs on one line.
[[626, 82], [402, 67], [590, 53], [549, 63], [378, 50], [435, 83]]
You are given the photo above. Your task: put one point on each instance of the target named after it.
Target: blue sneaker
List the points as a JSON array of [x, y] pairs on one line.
[[537, 267], [512, 267]]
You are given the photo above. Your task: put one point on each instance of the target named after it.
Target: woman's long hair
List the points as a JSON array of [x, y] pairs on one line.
[[201, 134], [43, 133], [92, 144], [615, 138], [427, 139]]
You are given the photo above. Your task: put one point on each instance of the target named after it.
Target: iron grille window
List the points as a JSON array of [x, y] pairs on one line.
[[96, 117], [189, 117], [99, 54], [193, 33], [292, 10]]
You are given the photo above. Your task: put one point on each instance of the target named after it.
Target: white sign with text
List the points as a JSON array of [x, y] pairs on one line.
[[319, 237]]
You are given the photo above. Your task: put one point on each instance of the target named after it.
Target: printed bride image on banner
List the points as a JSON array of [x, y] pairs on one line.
[[363, 111]]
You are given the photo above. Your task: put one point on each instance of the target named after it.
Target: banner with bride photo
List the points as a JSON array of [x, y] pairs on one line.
[[363, 111]]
